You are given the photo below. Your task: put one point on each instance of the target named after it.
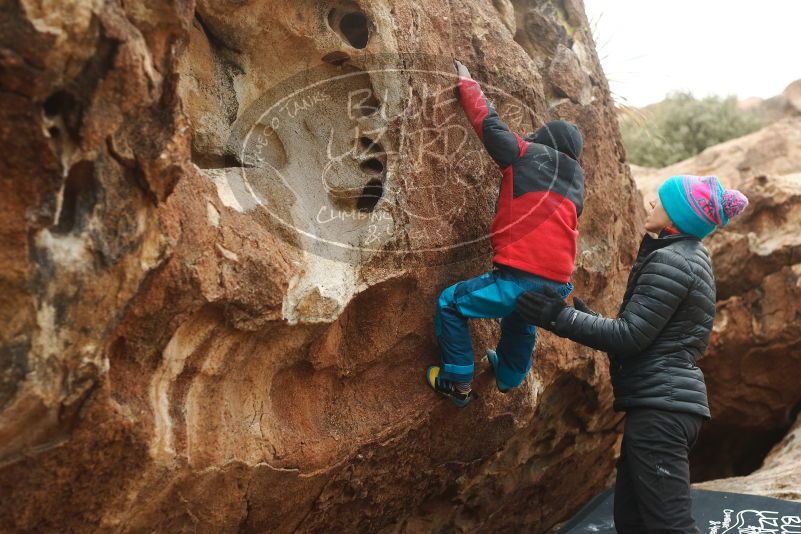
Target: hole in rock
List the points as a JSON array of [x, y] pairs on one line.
[[62, 108], [372, 165], [370, 196], [725, 450], [362, 99], [232, 160], [368, 105], [793, 413], [368, 146], [57, 103], [354, 28], [336, 58], [78, 198], [351, 24], [54, 132]]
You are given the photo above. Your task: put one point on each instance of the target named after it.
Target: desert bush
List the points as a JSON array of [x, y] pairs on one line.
[[682, 126]]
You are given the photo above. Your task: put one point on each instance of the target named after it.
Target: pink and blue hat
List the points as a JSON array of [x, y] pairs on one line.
[[699, 204]]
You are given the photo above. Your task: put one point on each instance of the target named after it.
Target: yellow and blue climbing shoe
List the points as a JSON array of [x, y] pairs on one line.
[[447, 388]]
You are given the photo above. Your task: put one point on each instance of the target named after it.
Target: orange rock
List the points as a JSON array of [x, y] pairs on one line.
[[217, 321], [753, 363]]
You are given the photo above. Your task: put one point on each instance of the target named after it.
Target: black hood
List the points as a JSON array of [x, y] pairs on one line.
[[561, 135]]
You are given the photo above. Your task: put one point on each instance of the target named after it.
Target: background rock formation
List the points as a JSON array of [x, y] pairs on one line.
[[785, 104], [754, 359], [753, 365], [779, 476], [775, 150], [175, 359]]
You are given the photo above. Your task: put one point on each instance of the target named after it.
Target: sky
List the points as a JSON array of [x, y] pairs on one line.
[[741, 47]]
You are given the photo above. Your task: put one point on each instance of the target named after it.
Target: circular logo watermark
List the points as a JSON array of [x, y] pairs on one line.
[[378, 160]]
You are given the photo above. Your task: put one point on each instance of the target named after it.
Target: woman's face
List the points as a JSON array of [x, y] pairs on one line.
[[658, 218]]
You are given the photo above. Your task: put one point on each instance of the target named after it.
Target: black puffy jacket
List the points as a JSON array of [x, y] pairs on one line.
[[662, 328]]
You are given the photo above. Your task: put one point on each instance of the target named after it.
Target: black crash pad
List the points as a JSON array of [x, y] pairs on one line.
[[715, 512]]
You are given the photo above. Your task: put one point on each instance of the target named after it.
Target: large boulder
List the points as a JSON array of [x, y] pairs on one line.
[[775, 150], [767, 110], [754, 359], [778, 477], [793, 95], [225, 228]]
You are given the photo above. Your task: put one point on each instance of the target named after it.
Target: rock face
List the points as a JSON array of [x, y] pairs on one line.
[[786, 104], [779, 476], [225, 227], [775, 150], [754, 359]]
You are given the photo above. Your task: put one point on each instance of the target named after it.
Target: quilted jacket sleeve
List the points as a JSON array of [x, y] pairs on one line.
[[663, 283]]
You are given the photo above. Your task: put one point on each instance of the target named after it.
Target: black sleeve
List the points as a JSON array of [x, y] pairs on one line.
[[502, 144], [661, 286]]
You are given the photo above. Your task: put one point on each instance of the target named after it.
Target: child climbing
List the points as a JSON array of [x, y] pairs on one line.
[[533, 238]]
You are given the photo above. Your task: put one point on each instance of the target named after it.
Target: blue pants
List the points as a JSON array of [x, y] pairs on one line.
[[490, 295]]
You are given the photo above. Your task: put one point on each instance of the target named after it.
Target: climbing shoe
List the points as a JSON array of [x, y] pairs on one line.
[[447, 388], [492, 356]]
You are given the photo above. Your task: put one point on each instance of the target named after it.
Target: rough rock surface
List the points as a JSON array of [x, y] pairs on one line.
[[175, 357], [775, 150], [786, 104], [779, 476], [753, 364]]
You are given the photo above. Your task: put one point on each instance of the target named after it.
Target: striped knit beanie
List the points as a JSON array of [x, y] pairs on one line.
[[699, 204]]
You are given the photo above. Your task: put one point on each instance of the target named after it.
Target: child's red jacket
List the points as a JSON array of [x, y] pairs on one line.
[[541, 194]]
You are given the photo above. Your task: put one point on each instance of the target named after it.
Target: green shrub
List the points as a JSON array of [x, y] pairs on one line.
[[681, 126]]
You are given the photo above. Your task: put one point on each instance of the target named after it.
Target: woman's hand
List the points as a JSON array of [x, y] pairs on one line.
[[540, 309]]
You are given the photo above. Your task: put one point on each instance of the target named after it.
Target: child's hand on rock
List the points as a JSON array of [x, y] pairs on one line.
[[461, 70]]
